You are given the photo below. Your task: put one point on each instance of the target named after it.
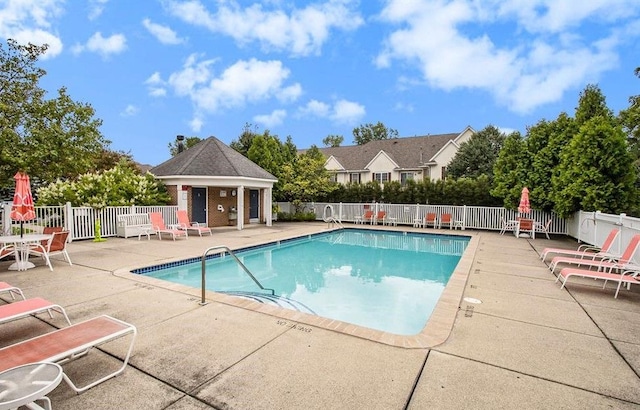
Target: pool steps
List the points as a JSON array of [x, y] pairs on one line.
[[275, 300]]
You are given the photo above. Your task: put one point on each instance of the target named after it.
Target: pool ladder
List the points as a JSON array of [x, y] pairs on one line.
[[223, 249]]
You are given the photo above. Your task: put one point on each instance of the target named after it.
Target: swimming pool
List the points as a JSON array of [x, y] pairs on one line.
[[383, 280]]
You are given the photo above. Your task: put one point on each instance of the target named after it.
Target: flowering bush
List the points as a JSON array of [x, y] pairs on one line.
[[119, 186]]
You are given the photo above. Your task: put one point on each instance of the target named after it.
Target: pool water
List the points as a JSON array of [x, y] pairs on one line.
[[388, 281]]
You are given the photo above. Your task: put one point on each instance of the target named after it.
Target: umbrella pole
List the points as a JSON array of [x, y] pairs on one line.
[[21, 231]]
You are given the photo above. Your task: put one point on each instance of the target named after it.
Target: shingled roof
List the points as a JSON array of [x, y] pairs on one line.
[[211, 157], [408, 153]]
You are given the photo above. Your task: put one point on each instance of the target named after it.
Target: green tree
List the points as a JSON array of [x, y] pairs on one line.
[[508, 174], [186, 144], [332, 140], [476, 156], [596, 171], [543, 144], [243, 143], [630, 120], [49, 139], [306, 178], [592, 103], [372, 132]]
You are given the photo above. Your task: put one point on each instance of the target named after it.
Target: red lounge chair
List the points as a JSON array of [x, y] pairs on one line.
[[586, 251], [380, 217], [5, 287], [627, 277], [69, 343], [185, 224], [157, 223], [28, 307], [621, 263]]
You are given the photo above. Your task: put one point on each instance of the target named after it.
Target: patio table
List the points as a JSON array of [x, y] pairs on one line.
[[21, 248], [23, 385]]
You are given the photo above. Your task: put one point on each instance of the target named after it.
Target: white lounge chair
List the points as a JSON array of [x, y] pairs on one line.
[[68, 343], [12, 290], [585, 250], [157, 224], [609, 263], [185, 224], [28, 307], [627, 277]]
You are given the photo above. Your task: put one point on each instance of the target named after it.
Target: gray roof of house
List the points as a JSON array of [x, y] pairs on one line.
[[211, 157], [409, 152]]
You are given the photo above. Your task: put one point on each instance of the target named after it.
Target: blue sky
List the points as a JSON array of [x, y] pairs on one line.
[[154, 69]]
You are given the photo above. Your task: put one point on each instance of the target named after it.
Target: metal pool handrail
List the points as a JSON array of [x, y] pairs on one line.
[[225, 249]]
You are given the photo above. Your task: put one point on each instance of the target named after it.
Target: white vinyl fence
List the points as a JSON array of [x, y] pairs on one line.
[[588, 227], [80, 221], [469, 217]]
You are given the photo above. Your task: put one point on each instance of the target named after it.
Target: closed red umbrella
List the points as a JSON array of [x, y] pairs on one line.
[[524, 207], [22, 208]]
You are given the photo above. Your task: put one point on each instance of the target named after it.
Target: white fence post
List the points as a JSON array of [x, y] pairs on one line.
[[464, 217], [68, 220]]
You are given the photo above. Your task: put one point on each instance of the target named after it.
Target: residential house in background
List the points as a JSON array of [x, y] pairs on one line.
[[399, 159], [217, 185]]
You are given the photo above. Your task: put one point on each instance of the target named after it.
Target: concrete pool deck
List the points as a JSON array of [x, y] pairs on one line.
[[527, 345]]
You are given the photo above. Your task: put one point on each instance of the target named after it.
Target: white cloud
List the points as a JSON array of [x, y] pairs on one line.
[[300, 31], [522, 69], [96, 7], [155, 85], [316, 108], [130, 111], [30, 21], [271, 120], [164, 34], [105, 46], [244, 82], [347, 112], [342, 111], [196, 124]]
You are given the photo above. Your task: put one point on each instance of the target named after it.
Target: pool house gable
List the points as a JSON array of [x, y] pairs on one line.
[[217, 185]]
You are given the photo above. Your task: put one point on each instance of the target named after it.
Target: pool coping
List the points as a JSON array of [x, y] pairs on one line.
[[435, 332]]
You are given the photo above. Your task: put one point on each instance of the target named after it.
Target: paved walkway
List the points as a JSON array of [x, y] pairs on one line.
[[527, 345]]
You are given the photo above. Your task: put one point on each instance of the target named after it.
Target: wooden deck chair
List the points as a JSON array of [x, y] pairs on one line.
[[68, 343], [430, 219], [627, 277], [610, 263], [446, 219], [185, 224], [158, 226], [586, 250], [12, 290], [56, 245], [28, 307], [380, 217]]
